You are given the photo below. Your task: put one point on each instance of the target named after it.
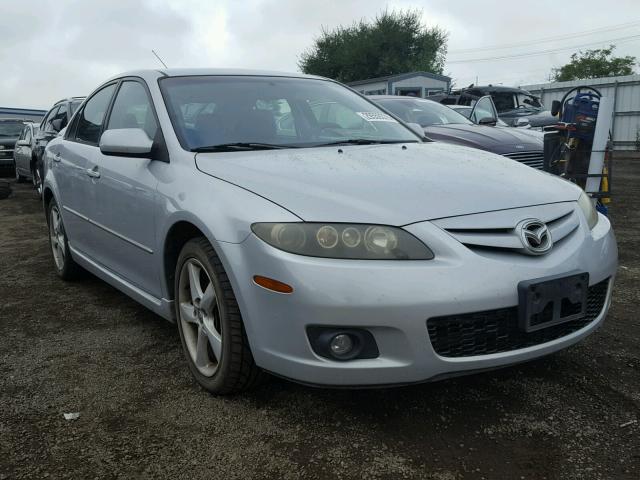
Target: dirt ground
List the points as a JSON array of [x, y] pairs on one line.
[[84, 347]]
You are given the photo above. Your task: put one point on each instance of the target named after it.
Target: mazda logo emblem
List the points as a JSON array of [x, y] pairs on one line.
[[535, 236]]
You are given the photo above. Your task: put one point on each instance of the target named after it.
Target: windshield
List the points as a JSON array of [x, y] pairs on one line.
[[261, 112], [423, 112], [11, 129], [528, 101]]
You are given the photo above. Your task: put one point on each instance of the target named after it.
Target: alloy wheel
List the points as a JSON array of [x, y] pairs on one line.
[[57, 235], [200, 317]]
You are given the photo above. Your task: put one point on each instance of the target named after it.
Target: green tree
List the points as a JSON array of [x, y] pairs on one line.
[[594, 64], [394, 42]]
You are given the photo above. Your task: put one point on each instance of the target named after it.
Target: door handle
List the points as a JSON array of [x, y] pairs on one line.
[[57, 158], [93, 172]]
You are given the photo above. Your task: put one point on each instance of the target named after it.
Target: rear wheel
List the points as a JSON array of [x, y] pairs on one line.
[[210, 325], [66, 267]]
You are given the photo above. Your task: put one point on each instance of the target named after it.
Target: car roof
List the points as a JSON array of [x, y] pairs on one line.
[[494, 88], [70, 99], [397, 97], [192, 72]]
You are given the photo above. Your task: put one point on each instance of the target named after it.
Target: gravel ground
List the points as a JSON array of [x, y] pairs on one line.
[[84, 347]]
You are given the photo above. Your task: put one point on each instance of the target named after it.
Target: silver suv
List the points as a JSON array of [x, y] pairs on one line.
[[333, 250]]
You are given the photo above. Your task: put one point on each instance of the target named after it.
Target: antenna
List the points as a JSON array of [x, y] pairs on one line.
[[159, 59]]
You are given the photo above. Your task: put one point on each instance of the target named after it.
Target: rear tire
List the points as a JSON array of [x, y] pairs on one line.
[[211, 330], [65, 266]]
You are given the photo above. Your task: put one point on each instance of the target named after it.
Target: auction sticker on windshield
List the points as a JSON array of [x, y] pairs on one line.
[[376, 117]]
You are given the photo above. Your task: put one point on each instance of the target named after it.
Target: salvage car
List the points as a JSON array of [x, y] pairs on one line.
[[10, 130], [52, 124], [443, 124], [484, 109], [348, 253], [516, 107], [23, 154]]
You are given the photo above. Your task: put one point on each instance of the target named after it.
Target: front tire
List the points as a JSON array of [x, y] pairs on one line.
[[36, 178], [19, 178], [209, 322], [65, 266]]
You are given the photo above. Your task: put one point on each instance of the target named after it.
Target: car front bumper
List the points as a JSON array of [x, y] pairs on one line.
[[394, 299]]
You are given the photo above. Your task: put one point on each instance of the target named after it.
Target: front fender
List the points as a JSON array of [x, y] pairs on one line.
[[223, 212]]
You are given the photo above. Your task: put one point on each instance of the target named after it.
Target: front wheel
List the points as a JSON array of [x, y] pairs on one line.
[[66, 267], [19, 178], [209, 322]]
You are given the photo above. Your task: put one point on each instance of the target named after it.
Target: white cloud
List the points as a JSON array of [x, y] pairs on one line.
[[67, 47]]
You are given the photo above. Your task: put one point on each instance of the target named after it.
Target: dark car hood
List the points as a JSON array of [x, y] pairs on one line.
[[387, 184], [492, 139], [8, 142]]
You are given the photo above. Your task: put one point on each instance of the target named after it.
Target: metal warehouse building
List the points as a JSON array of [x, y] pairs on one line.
[[625, 92], [22, 113], [419, 84]]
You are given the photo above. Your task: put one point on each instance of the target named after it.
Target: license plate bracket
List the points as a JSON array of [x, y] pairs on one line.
[[549, 301]]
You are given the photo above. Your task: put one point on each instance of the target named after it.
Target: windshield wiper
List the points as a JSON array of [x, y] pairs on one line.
[[240, 146], [362, 141]]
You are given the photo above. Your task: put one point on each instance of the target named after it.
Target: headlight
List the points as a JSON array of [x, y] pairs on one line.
[[343, 240], [589, 211]]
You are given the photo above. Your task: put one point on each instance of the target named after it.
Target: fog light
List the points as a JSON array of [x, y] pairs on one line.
[[341, 345]]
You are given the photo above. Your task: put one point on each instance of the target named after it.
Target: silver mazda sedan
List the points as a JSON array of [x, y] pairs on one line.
[[289, 225]]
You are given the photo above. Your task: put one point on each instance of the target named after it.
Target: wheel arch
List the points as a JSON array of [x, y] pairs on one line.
[[47, 196], [178, 234]]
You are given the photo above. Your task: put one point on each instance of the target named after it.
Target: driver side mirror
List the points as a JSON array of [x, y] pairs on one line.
[[417, 128], [126, 142], [555, 108], [489, 121]]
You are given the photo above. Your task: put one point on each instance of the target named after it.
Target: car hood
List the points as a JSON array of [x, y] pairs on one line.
[[386, 184], [8, 142], [493, 139]]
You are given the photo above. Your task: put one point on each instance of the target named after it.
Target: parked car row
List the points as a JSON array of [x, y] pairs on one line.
[[289, 225], [29, 141], [516, 107]]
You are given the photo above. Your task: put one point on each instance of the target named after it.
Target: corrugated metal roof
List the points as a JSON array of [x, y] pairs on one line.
[[401, 76]]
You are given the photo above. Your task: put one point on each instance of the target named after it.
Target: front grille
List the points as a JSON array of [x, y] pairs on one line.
[[495, 331], [533, 159]]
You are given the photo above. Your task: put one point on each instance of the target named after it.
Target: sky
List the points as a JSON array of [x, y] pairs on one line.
[[55, 49]]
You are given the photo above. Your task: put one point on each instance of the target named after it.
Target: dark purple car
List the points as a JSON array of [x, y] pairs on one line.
[[441, 123]]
